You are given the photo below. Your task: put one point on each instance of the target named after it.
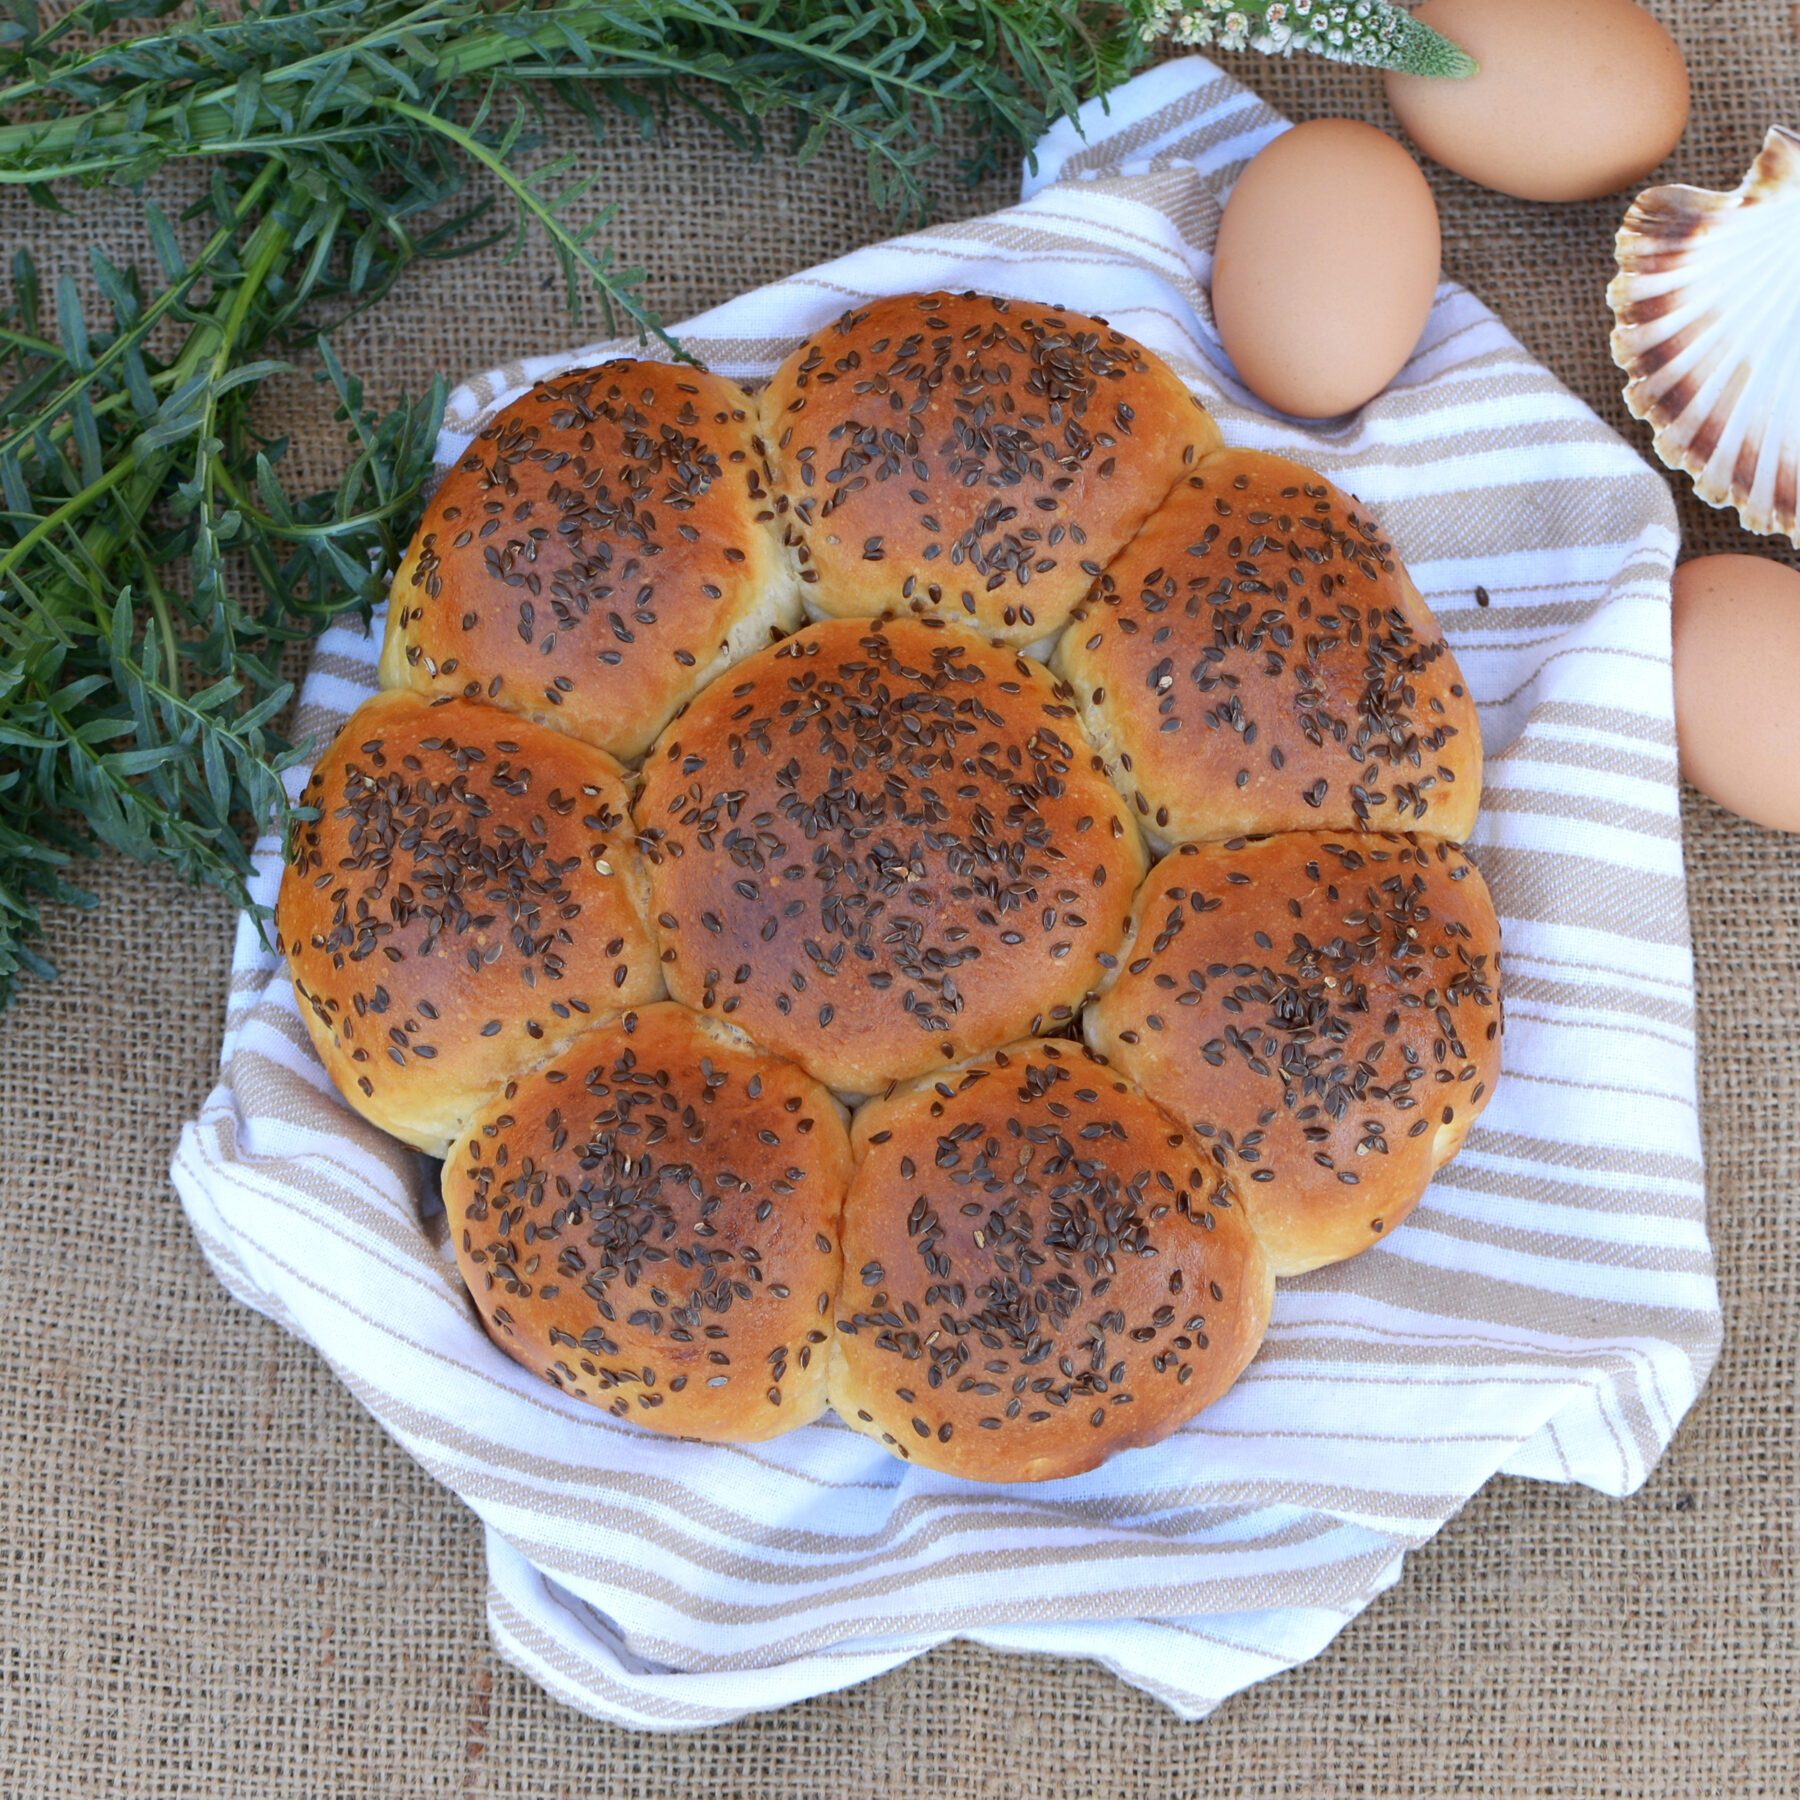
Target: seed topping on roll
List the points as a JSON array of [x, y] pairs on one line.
[[882, 846], [1324, 1013], [1040, 1268], [972, 456], [1258, 660], [651, 1223], [468, 898], [606, 545]]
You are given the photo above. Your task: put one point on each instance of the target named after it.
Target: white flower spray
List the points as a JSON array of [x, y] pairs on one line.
[[1372, 32]]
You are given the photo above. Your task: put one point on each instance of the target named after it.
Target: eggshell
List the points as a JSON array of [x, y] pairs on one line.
[[1325, 267], [1575, 98], [1737, 684]]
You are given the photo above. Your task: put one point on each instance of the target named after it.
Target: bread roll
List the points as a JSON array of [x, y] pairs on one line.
[[1258, 660], [651, 1221], [882, 846], [971, 456], [605, 547], [468, 899], [1040, 1268], [1323, 1011]]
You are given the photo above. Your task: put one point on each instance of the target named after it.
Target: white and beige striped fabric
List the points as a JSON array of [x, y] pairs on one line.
[[1549, 1311]]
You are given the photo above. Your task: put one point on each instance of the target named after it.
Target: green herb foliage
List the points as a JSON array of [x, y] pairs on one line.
[[153, 564]]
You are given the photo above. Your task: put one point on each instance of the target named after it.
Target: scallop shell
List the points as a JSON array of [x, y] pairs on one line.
[[1707, 300]]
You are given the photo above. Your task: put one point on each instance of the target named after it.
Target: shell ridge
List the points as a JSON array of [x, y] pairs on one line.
[[1706, 308]]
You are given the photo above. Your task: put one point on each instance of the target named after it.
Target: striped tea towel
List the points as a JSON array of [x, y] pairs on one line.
[[1549, 1310]]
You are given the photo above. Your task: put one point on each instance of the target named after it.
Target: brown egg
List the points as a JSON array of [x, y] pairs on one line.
[[1325, 267], [1737, 684], [1574, 98]]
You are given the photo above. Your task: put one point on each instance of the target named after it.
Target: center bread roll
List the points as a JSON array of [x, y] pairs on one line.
[[973, 457], [882, 846], [1040, 1268]]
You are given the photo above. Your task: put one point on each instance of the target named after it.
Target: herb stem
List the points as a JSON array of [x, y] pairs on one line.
[[164, 303], [571, 248], [159, 605], [342, 526], [71, 508], [102, 539]]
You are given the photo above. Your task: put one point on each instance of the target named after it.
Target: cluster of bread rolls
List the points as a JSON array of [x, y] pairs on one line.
[[794, 1005]]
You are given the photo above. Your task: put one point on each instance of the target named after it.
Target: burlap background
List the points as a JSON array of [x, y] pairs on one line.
[[218, 1578]]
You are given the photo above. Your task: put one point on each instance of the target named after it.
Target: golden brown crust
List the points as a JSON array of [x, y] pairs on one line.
[[882, 846], [1258, 660], [978, 457], [469, 898], [1323, 1010], [651, 1223], [605, 546], [1040, 1269]]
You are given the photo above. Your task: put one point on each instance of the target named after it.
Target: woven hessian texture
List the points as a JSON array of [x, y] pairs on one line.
[[218, 1577]]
